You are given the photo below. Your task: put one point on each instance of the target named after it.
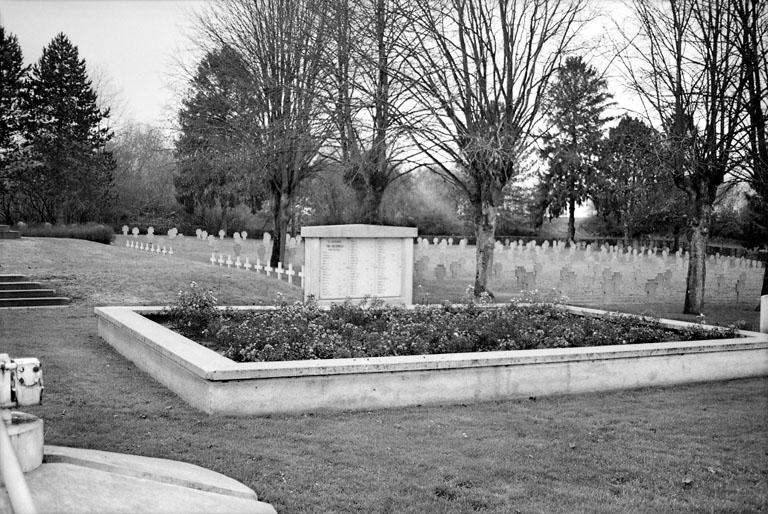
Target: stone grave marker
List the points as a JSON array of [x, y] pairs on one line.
[[237, 245], [651, 286]]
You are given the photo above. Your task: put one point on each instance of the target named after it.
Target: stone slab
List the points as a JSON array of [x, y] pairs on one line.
[[82, 481], [12, 277], [358, 230], [19, 284], [355, 262], [34, 301]]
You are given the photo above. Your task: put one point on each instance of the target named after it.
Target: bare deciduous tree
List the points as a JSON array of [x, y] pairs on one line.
[[687, 71], [283, 43], [751, 39], [368, 91], [479, 77]]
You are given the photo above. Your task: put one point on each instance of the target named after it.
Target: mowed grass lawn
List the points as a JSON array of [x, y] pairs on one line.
[[692, 448]]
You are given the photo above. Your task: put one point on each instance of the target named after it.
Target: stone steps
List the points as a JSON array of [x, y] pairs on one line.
[[6, 286], [27, 293], [17, 291], [7, 233], [12, 278], [33, 302]]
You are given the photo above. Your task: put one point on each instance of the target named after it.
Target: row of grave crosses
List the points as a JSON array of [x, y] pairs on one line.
[[149, 247], [258, 267]]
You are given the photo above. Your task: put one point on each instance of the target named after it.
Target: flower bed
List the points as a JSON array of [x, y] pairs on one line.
[[302, 331], [215, 384]]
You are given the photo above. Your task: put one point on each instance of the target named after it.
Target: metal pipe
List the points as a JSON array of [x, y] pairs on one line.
[[13, 476]]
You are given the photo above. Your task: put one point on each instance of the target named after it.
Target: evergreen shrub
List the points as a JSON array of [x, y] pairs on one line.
[[89, 231]]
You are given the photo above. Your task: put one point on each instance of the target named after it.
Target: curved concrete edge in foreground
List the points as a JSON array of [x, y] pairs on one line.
[[72, 480], [214, 384]]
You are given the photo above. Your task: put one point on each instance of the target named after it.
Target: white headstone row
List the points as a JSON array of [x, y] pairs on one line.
[[172, 232], [558, 250]]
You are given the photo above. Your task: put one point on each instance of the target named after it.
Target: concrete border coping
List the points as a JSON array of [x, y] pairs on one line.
[[358, 230], [201, 376]]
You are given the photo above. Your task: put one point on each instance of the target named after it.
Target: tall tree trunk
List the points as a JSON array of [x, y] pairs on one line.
[[571, 220], [281, 216], [485, 231], [676, 238], [371, 205], [694, 293], [625, 233]]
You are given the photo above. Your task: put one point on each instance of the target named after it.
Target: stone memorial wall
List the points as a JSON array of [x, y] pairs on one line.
[[358, 261]]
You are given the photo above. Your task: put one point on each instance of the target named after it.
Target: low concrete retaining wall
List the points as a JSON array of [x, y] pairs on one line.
[[215, 384]]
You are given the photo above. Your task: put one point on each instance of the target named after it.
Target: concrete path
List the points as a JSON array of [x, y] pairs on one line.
[[72, 480]]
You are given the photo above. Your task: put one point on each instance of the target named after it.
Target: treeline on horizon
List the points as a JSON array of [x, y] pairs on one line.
[[458, 118]]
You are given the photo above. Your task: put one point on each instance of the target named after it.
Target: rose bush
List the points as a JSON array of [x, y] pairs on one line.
[[302, 331]]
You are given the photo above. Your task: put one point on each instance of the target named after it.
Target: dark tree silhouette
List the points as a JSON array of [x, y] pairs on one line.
[[12, 85], [633, 186], [69, 175], [575, 105]]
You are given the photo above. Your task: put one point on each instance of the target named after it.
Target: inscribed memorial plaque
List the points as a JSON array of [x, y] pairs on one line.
[[354, 268]]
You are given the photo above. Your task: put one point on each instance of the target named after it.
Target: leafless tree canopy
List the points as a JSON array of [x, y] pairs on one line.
[[283, 44], [687, 68], [479, 77]]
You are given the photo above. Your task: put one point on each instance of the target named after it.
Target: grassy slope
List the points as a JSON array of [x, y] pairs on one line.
[[628, 451]]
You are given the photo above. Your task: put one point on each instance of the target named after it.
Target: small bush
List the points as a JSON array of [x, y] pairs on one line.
[[195, 311], [89, 231], [302, 331]]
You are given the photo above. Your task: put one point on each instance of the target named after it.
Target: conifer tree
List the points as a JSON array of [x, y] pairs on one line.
[[70, 174], [575, 105], [633, 187], [216, 164], [12, 83]]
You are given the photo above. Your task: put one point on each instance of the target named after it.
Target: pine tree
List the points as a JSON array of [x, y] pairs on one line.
[[71, 172], [575, 105], [12, 84]]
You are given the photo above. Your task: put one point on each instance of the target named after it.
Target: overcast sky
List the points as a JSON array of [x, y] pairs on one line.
[[130, 45]]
